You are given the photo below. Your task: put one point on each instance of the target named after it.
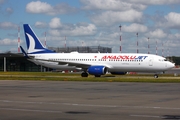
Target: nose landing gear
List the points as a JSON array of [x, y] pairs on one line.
[[155, 75]]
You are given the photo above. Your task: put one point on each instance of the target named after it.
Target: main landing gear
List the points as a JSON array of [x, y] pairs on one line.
[[84, 74]]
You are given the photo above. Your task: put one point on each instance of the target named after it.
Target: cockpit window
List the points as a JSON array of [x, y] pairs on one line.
[[162, 59]]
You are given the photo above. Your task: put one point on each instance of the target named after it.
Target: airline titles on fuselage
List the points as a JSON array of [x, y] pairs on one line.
[[111, 57], [124, 57]]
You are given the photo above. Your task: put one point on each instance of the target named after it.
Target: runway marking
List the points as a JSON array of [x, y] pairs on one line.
[[148, 116], [153, 116], [30, 110], [89, 105]]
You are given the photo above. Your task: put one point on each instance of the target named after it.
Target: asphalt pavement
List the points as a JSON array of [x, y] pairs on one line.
[[64, 100]]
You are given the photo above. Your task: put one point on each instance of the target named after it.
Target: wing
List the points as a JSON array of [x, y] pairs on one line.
[[78, 64], [70, 63]]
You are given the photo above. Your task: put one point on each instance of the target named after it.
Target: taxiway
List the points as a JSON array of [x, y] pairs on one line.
[[63, 100]]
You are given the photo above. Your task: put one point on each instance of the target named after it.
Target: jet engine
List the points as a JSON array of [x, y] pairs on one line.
[[97, 71]]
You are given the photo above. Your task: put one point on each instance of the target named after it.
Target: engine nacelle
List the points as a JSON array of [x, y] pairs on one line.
[[118, 73], [97, 70]]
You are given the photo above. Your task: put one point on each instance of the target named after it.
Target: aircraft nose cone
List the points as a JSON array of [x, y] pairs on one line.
[[171, 65]]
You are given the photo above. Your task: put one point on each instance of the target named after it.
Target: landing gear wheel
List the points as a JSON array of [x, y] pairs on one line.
[[97, 75], [156, 76], [84, 74]]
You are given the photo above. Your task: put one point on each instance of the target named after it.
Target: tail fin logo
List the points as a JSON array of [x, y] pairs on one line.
[[31, 48]]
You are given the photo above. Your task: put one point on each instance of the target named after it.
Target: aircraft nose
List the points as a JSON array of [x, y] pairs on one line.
[[171, 65]]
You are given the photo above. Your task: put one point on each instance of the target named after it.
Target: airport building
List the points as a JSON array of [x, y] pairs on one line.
[[17, 62], [82, 49]]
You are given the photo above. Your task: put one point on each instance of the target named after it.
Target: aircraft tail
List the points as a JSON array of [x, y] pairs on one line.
[[34, 45]]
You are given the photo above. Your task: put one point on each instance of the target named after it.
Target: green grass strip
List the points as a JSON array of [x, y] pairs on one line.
[[56, 76]]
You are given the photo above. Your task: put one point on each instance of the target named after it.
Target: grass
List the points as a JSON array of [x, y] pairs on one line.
[[55, 76]]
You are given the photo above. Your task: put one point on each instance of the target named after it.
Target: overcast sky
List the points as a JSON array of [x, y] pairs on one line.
[[93, 23]]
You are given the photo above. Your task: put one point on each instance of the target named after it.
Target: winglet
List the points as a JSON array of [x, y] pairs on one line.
[[34, 45]]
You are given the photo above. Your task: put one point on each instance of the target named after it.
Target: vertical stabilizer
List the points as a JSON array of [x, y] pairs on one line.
[[34, 45]]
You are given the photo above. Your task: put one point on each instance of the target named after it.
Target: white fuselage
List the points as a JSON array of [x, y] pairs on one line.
[[115, 62]]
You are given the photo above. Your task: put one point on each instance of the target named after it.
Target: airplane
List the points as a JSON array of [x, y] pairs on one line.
[[96, 64]]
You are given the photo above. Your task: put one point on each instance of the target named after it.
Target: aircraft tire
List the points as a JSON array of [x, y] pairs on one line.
[[84, 74], [97, 75], [156, 76]]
